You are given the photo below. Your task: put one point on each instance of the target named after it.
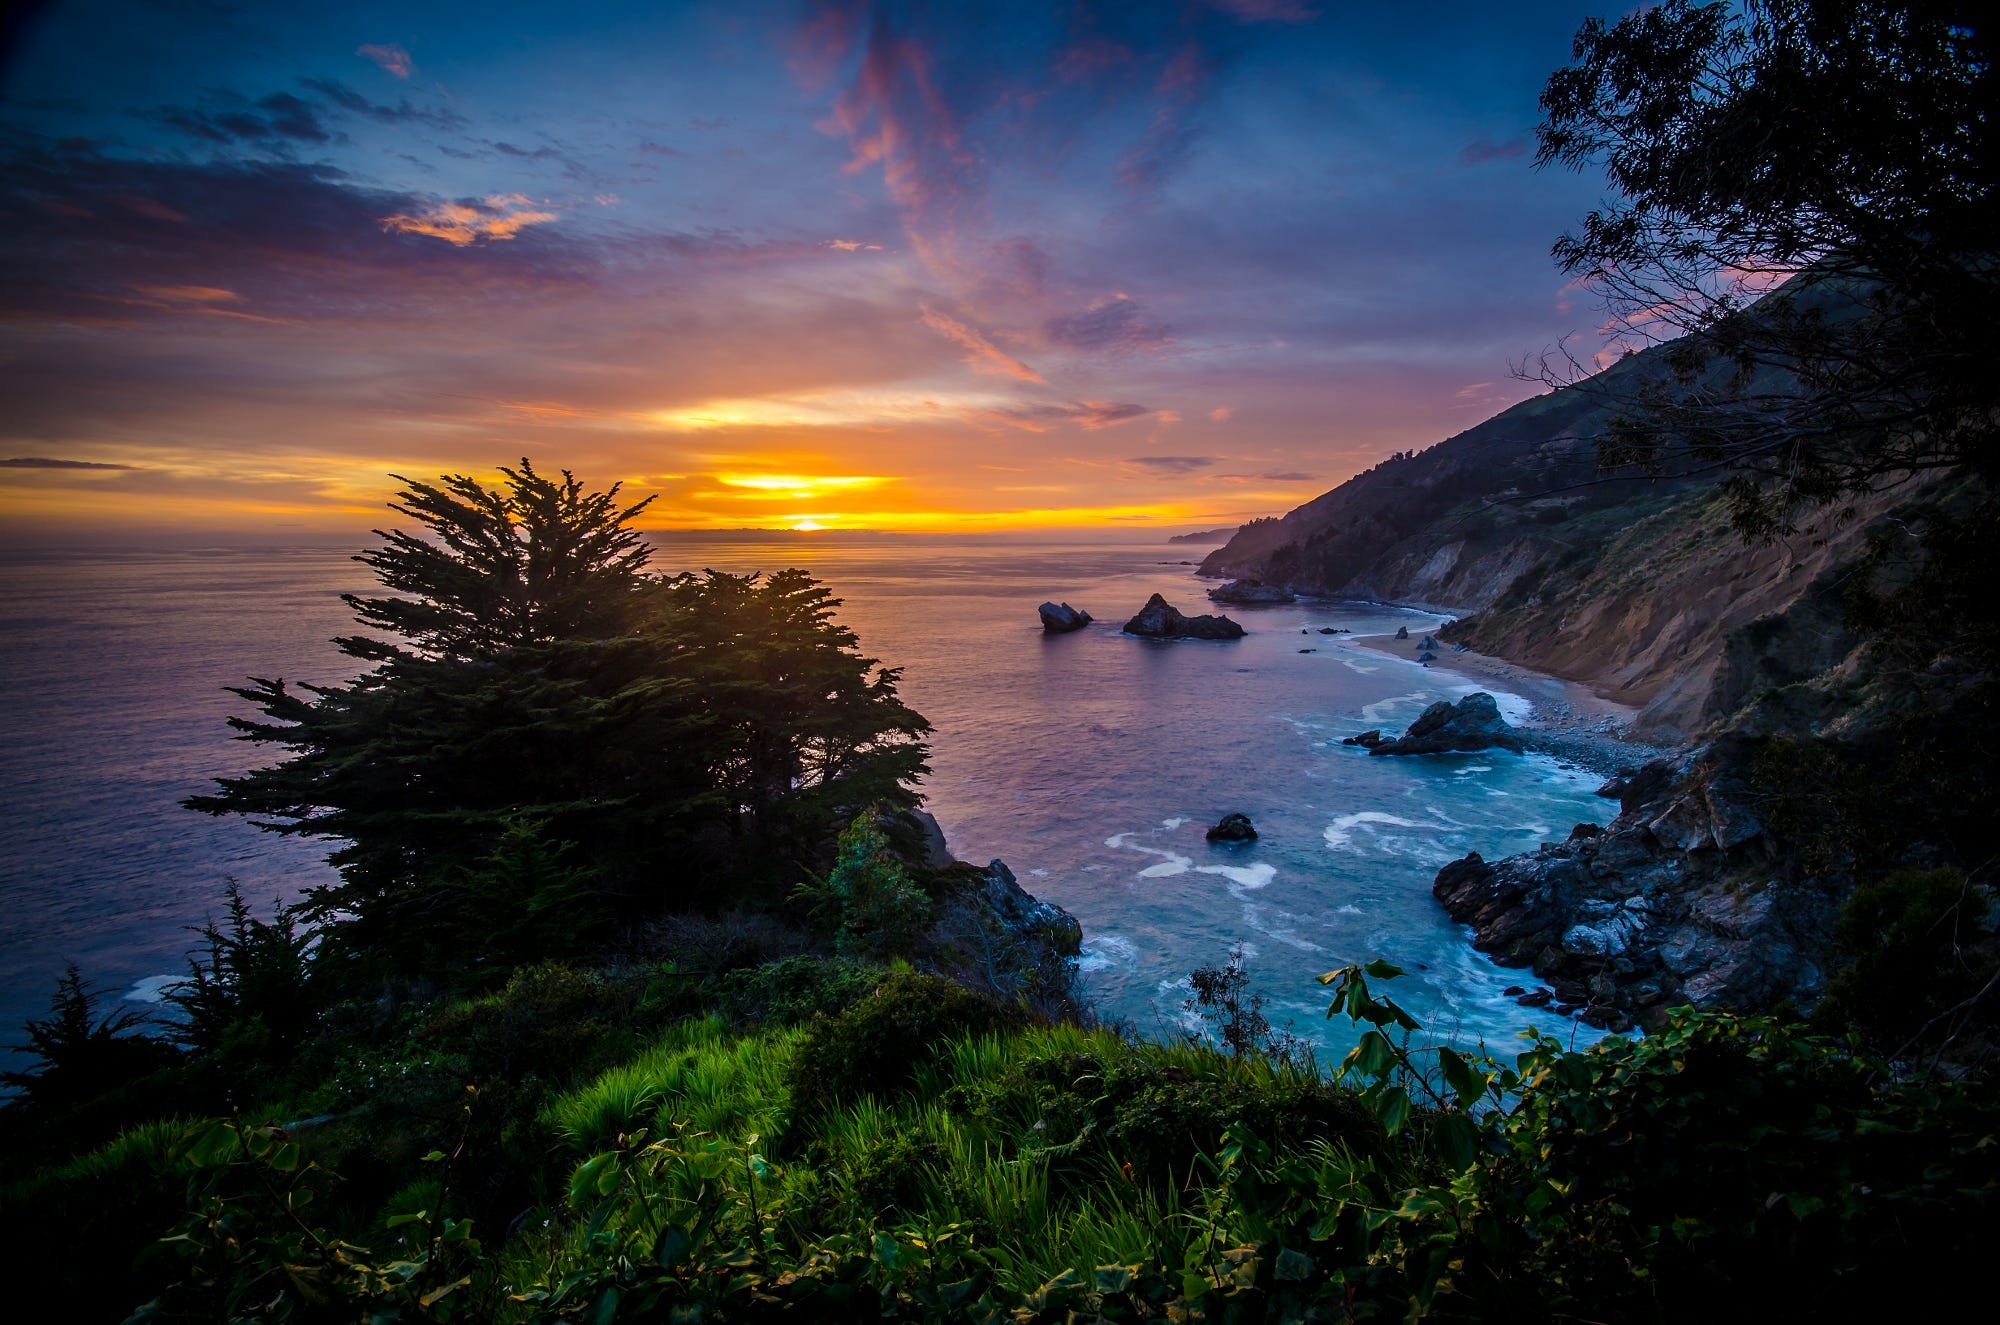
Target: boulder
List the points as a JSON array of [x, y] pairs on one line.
[[1427, 656], [1233, 828], [1427, 643], [1402, 632], [1370, 738], [1159, 619], [1061, 618], [1474, 723], [1329, 630], [1249, 591]]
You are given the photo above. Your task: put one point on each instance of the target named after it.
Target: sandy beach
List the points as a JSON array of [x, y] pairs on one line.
[[1566, 719]]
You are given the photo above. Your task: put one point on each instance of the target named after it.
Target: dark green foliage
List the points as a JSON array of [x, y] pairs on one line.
[[876, 1044], [78, 1053], [671, 741], [1920, 948], [255, 1244], [795, 989], [1849, 142], [892, 1176], [524, 901], [248, 995], [869, 901]]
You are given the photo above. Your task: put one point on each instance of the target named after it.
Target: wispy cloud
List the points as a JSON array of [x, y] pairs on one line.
[[1479, 151], [1171, 464], [42, 462], [980, 352], [1114, 323], [390, 57], [1041, 416]]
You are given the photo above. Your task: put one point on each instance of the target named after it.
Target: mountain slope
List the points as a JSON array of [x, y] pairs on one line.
[[1638, 588]]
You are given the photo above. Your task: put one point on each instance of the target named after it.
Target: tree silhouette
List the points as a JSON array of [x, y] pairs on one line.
[[1836, 151], [673, 741]]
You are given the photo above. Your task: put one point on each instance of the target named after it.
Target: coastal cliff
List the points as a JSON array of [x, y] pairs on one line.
[[1637, 588], [1646, 592]]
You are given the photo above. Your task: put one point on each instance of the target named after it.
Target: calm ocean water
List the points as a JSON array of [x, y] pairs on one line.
[[1092, 763]]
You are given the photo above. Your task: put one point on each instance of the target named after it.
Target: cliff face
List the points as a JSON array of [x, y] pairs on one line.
[[1637, 588]]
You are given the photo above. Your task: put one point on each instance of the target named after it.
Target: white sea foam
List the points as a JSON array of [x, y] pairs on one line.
[[1101, 952], [1116, 840], [153, 989], [1380, 710], [1340, 833], [1172, 865], [1171, 824], [1347, 909]]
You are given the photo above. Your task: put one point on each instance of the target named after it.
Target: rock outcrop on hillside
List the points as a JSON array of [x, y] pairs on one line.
[[1684, 898], [1159, 619], [1251, 592]]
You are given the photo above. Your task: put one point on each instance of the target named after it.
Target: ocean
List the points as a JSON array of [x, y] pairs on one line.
[[1091, 763]]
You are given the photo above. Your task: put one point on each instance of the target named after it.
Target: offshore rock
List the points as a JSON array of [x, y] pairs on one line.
[[1474, 723], [1061, 618], [1370, 738], [1233, 828], [1250, 591], [1159, 619], [1683, 898]]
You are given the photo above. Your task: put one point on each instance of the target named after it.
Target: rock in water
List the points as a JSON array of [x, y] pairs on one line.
[[1474, 723], [1402, 632], [1159, 619], [1370, 738], [1249, 591], [1061, 618], [1233, 828]]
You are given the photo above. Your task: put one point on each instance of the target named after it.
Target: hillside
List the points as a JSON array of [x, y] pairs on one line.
[[1636, 587]]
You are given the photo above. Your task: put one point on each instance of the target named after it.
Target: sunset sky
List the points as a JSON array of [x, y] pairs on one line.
[[911, 266]]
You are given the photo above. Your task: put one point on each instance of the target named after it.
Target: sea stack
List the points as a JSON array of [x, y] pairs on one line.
[[1474, 723], [1061, 618], [1233, 828], [1159, 619]]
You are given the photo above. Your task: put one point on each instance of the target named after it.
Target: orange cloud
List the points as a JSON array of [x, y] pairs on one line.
[[981, 353], [191, 294], [500, 216], [1221, 413]]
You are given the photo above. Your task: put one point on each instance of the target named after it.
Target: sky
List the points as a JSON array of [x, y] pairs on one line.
[[812, 263]]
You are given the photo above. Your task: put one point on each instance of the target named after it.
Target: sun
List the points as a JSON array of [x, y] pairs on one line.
[[807, 526]]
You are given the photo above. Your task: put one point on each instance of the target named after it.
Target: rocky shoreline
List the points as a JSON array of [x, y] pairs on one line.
[[1684, 898], [1566, 719]]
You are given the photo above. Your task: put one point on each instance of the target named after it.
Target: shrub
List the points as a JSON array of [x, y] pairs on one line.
[[875, 908], [876, 1045], [796, 989]]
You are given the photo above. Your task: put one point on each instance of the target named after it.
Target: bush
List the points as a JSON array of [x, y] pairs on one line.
[[875, 909], [796, 989], [876, 1045], [1918, 942]]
